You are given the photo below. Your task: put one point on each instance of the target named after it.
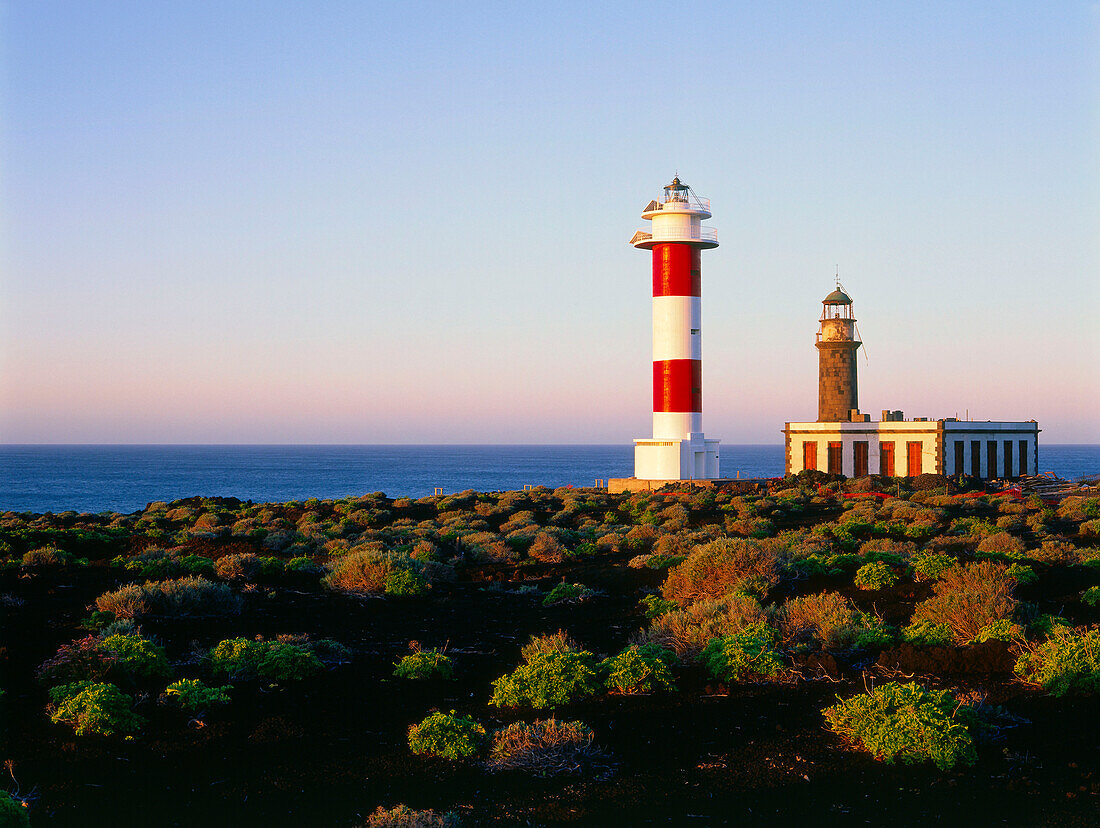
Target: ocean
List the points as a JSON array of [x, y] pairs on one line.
[[98, 478]]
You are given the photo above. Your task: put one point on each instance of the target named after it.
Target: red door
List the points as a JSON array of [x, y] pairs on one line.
[[886, 460], [913, 457], [809, 456]]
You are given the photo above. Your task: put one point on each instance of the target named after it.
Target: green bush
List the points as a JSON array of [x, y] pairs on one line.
[[655, 606], [405, 582], [1022, 573], [928, 566], [928, 634], [1091, 596], [639, 669], [13, 814], [190, 596], [565, 593], [875, 575], [749, 652], [907, 722], [1002, 630], [243, 658], [137, 656], [425, 664], [194, 694], [447, 735], [94, 707], [1068, 661], [548, 679]]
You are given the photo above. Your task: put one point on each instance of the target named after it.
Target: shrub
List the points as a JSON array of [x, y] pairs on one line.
[[928, 566], [13, 813], [244, 565], [243, 658], [558, 642], [654, 606], [1003, 630], [1068, 661], [373, 571], [565, 593], [1002, 543], [136, 656], [687, 631], [190, 596], [827, 618], [907, 722], [875, 575], [721, 567], [546, 549], [425, 664], [928, 633], [969, 598], [545, 747], [642, 668], [402, 816], [1091, 596], [194, 695], [447, 735], [750, 652], [547, 680], [81, 660], [405, 582], [47, 556], [91, 707], [1022, 574]]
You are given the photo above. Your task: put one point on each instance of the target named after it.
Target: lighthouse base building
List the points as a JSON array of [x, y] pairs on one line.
[[906, 448]]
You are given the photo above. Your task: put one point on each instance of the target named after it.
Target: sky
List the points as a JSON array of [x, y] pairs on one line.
[[266, 222]]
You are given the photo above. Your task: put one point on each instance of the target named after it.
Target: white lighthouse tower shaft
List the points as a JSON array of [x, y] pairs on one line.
[[678, 450]]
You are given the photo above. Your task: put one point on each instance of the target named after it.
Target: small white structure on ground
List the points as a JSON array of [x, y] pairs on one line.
[[844, 441]]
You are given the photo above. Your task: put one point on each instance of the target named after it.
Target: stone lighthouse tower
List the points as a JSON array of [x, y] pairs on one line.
[[678, 450], [837, 395]]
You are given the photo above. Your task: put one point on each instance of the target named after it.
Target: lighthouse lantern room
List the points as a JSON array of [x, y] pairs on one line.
[[677, 450]]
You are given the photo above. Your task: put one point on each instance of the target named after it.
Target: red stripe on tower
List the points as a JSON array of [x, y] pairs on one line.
[[675, 270], [678, 385]]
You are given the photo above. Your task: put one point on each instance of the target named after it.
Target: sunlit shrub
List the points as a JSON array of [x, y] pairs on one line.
[[1003, 630], [545, 748], [402, 816], [46, 556], [928, 634], [749, 653], [181, 596], [547, 679], [639, 669], [447, 735], [194, 695], [968, 598], [825, 618], [1091, 596], [373, 570], [425, 664], [93, 707], [136, 656], [244, 658], [687, 631], [928, 566], [1067, 662], [564, 593], [907, 722], [1002, 543], [721, 567], [875, 575]]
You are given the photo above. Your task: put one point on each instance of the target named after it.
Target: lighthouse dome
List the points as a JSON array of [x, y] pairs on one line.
[[837, 297]]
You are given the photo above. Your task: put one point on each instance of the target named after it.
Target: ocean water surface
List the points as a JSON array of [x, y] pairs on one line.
[[97, 478]]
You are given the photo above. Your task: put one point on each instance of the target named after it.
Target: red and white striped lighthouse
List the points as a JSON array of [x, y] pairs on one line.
[[678, 450]]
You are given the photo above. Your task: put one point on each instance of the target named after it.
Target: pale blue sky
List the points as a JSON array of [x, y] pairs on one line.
[[408, 222]]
